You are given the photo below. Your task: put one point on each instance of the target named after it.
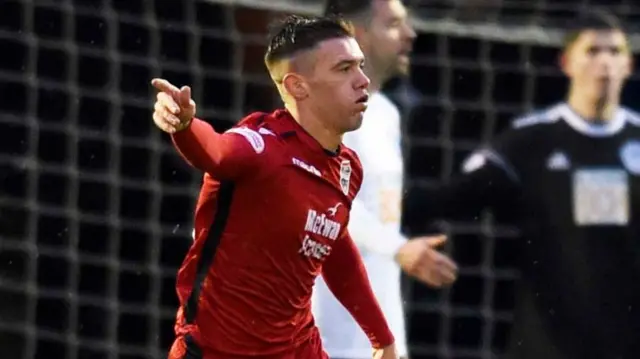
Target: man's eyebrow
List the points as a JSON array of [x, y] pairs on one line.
[[355, 61], [394, 18], [608, 46]]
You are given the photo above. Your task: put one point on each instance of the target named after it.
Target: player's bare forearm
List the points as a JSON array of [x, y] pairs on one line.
[[346, 277]]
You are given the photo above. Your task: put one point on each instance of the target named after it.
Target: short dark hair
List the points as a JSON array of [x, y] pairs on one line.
[[597, 19], [297, 33], [347, 8]]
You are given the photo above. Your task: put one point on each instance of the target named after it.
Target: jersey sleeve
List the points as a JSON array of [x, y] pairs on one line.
[[346, 277], [367, 229], [489, 178], [369, 233], [227, 156], [505, 153]]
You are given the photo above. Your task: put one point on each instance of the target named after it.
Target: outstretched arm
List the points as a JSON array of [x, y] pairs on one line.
[[369, 233], [418, 258], [346, 277], [374, 217], [491, 177], [488, 180], [223, 156]]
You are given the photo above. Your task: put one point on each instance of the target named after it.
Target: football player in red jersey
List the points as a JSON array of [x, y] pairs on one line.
[[273, 210]]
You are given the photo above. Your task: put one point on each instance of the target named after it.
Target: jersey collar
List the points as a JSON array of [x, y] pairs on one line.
[[286, 126], [589, 128]]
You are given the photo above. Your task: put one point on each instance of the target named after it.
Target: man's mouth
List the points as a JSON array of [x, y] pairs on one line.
[[406, 52], [363, 99]]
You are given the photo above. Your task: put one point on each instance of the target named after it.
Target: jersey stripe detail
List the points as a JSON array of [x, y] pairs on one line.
[[545, 116], [480, 158], [502, 163], [192, 351], [631, 116], [209, 249]]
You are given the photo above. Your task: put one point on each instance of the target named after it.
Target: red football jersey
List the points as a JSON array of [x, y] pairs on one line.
[[272, 215]]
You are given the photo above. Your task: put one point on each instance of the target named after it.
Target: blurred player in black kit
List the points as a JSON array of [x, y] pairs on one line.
[[572, 172]]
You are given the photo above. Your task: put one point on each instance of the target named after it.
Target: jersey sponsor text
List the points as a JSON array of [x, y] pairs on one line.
[[318, 223]]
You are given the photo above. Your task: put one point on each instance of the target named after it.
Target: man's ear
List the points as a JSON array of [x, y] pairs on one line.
[[563, 62], [630, 66], [295, 86], [361, 33]]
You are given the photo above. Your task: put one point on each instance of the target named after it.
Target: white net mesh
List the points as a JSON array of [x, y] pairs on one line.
[[96, 208]]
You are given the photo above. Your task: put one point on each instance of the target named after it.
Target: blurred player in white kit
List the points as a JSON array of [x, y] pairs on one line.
[[386, 38]]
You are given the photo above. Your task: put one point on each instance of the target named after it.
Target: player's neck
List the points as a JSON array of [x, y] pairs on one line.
[[590, 110], [315, 126]]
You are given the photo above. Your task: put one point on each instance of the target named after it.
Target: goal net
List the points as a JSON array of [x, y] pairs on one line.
[[95, 207]]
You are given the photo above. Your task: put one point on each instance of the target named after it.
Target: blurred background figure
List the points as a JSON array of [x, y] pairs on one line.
[[386, 37], [571, 172], [96, 213]]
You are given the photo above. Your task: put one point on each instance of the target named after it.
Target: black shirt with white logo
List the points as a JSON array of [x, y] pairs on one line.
[[576, 188]]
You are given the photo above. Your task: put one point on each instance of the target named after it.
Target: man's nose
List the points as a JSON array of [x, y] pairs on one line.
[[409, 32], [605, 65], [604, 57], [362, 81]]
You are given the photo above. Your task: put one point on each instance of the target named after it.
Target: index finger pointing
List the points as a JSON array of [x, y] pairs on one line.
[[185, 96], [165, 86]]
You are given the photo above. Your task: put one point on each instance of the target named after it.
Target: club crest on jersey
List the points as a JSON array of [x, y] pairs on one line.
[[630, 156], [345, 176]]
